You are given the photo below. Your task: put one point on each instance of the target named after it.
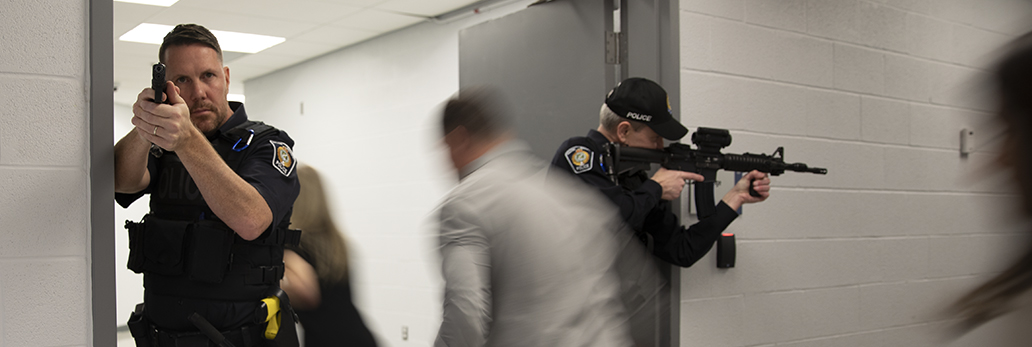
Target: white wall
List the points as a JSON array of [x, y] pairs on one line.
[[370, 127], [877, 92], [44, 271], [128, 285]]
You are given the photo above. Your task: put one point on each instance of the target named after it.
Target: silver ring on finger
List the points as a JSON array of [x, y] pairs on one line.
[[155, 132]]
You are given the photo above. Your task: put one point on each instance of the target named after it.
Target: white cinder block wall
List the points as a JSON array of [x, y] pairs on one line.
[[370, 125], [877, 92], [44, 264]]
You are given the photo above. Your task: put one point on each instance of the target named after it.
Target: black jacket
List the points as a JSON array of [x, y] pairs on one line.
[[640, 203]]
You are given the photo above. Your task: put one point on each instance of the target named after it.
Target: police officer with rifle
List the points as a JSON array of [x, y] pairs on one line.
[[222, 188], [615, 158], [636, 115]]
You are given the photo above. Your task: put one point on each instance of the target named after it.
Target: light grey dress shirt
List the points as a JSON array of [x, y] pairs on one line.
[[528, 262]]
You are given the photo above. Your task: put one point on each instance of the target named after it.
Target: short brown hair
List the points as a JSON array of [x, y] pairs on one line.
[[187, 34], [481, 110]]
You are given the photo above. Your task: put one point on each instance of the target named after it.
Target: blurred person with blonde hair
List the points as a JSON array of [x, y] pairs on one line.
[[316, 277]]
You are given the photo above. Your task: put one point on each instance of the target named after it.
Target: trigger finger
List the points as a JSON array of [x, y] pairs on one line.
[[693, 177]]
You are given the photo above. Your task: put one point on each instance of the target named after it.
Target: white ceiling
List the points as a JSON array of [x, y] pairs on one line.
[[311, 27]]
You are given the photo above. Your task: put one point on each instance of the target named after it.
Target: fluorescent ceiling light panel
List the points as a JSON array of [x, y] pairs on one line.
[[244, 42], [147, 33], [162, 3], [228, 40]]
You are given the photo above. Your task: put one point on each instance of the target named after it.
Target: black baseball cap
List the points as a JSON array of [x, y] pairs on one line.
[[645, 101]]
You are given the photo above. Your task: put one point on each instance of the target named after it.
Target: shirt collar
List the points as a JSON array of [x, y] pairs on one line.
[[598, 137], [502, 149], [239, 117]]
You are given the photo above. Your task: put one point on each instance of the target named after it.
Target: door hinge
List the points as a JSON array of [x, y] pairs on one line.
[[616, 45]]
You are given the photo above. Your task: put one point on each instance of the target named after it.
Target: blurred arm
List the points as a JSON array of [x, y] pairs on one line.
[[300, 282], [466, 268]]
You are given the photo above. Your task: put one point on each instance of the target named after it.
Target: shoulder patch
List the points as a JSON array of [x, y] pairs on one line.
[[580, 158], [283, 158]]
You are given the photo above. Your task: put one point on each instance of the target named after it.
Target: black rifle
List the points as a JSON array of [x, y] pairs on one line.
[[705, 160]]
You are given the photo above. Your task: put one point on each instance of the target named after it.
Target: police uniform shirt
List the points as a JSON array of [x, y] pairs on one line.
[[640, 201], [265, 168]]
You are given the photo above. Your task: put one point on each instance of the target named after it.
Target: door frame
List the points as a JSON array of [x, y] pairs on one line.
[[100, 84], [652, 29]]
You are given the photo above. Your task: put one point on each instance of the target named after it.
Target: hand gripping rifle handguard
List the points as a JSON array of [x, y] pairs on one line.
[[705, 160]]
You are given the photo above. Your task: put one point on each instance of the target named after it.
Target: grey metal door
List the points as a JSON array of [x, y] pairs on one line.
[[549, 62]]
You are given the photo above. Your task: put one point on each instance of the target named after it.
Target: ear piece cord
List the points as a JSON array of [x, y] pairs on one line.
[[245, 144]]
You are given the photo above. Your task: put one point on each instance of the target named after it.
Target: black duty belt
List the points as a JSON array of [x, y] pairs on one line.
[[243, 337]]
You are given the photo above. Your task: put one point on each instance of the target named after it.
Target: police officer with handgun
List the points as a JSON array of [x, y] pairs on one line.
[[637, 114], [222, 188]]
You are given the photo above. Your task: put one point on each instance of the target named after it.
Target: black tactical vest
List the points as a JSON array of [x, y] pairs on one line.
[[184, 250]]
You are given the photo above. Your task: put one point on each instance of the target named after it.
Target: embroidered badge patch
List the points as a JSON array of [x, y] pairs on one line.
[[580, 159], [282, 158]]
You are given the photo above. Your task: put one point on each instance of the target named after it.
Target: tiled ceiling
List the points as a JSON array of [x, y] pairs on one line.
[[311, 27]]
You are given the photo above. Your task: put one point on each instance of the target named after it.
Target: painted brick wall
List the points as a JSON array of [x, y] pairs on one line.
[[44, 272], [370, 126], [877, 92]]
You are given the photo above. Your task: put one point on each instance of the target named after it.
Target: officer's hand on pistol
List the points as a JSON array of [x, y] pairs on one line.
[[165, 125], [673, 181]]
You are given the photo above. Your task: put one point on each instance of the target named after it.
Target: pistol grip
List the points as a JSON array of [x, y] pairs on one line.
[[753, 192]]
